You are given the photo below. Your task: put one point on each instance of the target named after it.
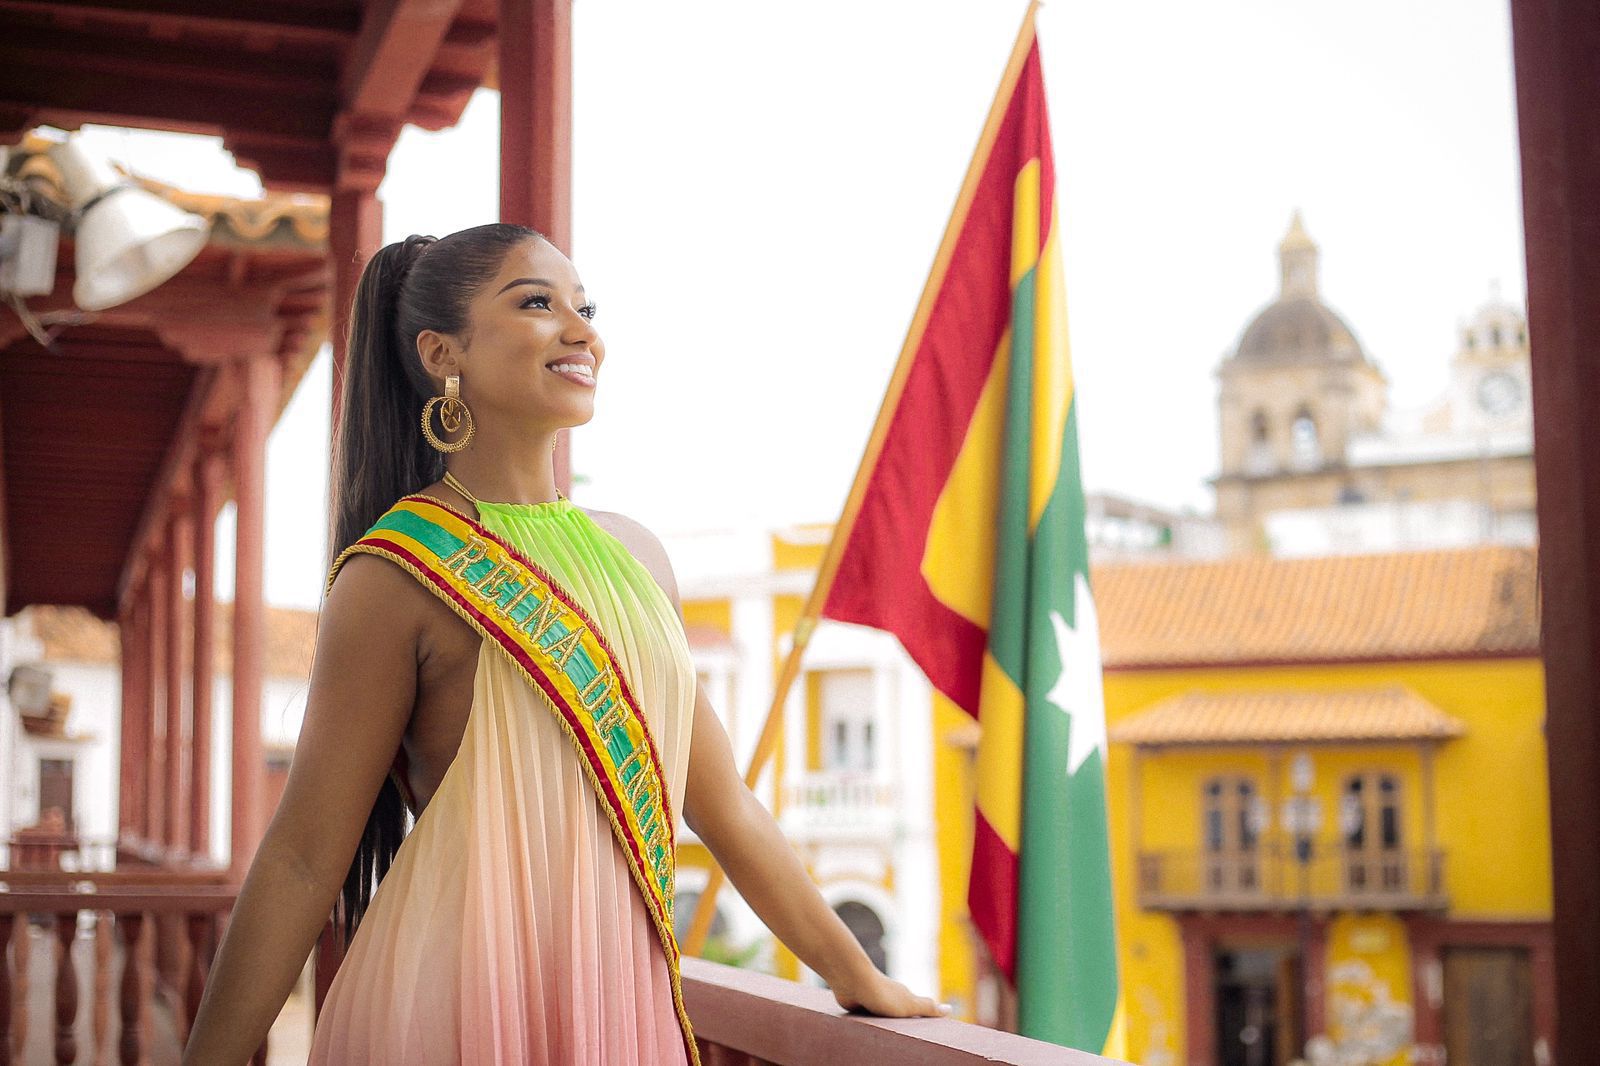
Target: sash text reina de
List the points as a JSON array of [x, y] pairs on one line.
[[598, 694]]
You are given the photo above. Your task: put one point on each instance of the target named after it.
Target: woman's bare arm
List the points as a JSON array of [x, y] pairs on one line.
[[363, 687], [760, 861]]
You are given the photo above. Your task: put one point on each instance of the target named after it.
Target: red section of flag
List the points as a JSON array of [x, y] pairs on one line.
[[992, 894], [879, 581]]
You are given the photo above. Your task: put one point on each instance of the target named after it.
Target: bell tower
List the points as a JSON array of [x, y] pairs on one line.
[[1297, 260]]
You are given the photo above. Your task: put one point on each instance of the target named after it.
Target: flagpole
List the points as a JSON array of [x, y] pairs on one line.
[[806, 625]]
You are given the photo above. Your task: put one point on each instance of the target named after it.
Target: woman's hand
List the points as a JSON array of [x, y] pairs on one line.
[[881, 995]]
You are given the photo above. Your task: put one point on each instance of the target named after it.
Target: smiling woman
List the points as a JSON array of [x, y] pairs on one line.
[[512, 674]]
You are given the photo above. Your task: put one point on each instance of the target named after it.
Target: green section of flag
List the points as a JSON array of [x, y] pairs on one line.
[[1042, 635]]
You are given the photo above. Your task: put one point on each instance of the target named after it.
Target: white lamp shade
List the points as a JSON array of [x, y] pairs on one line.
[[130, 242]]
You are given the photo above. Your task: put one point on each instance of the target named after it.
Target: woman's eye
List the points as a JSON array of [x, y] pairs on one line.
[[540, 299]]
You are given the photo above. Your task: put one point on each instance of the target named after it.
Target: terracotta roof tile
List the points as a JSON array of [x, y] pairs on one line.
[[1480, 601], [277, 217], [72, 634], [1287, 717], [707, 637]]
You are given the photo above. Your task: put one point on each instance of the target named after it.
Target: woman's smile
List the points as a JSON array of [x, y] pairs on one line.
[[576, 368]]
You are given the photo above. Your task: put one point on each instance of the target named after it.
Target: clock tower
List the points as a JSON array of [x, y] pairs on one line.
[[1489, 376]]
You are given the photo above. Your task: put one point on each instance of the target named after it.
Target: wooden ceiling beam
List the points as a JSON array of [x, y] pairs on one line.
[[123, 100], [170, 483], [392, 54], [297, 23], [290, 78], [387, 64]]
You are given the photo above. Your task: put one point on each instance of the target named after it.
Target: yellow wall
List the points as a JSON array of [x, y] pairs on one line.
[[788, 555], [1368, 975], [953, 813], [717, 613], [1490, 801]]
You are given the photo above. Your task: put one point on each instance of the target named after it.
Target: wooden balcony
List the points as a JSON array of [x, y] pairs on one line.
[[68, 993], [1271, 879]]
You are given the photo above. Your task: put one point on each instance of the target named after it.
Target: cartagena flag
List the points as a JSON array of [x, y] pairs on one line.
[[964, 536]]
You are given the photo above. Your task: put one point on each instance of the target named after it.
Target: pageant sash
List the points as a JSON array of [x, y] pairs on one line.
[[556, 647]]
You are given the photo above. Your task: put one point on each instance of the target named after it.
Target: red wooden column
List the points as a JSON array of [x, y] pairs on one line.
[[130, 793], [180, 545], [144, 695], [535, 42], [208, 500], [259, 381], [156, 737], [355, 232], [1556, 45]]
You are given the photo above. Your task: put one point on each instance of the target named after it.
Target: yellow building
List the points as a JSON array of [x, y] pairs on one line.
[[851, 782], [1389, 705], [1328, 808]]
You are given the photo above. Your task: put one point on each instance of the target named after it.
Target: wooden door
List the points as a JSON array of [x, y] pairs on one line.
[[1374, 849], [55, 789], [1231, 832], [1488, 1007]]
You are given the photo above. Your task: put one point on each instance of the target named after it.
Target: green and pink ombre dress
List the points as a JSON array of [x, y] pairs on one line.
[[508, 930]]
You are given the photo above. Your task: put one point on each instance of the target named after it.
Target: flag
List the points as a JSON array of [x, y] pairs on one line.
[[964, 536]]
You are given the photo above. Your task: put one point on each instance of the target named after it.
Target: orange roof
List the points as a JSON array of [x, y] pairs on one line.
[[706, 637], [72, 634], [1480, 601], [275, 217], [1287, 717]]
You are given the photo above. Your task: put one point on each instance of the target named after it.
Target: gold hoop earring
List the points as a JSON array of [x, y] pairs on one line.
[[452, 413]]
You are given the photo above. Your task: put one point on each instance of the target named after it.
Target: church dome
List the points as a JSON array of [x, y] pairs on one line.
[[1298, 329]]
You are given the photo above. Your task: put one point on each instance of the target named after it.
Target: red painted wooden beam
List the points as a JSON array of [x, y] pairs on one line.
[[1556, 44], [536, 134], [392, 54], [536, 117], [302, 23]]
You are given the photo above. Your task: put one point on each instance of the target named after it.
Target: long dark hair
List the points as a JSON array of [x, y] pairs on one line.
[[379, 454]]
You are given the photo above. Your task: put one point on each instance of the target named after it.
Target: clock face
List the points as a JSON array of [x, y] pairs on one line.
[[1499, 393]]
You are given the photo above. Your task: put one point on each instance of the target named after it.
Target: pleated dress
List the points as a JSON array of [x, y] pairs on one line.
[[509, 930]]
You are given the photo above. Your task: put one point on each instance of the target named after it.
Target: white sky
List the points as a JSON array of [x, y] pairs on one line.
[[760, 188]]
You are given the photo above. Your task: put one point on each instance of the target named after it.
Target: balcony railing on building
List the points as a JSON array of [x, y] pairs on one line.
[[831, 802], [1272, 878]]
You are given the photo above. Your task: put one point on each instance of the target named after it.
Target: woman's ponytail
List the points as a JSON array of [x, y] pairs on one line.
[[379, 453]]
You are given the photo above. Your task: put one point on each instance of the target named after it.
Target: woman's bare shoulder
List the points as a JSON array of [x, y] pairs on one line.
[[371, 592], [642, 544]]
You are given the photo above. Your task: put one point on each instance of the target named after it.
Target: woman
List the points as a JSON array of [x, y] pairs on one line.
[[515, 673]]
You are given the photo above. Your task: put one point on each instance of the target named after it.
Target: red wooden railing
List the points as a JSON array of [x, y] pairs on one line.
[[155, 933], [741, 1017]]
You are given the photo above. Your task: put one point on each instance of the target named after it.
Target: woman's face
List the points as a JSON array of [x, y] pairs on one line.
[[533, 316]]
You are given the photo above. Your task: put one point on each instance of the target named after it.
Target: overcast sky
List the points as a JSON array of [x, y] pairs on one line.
[[759, 190]]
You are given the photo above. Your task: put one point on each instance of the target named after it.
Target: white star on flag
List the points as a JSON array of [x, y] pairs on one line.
[[1078, 691]]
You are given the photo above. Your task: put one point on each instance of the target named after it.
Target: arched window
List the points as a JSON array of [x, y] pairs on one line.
[[684, 904], [1258, 451], [864, 922], [1306, 446]]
